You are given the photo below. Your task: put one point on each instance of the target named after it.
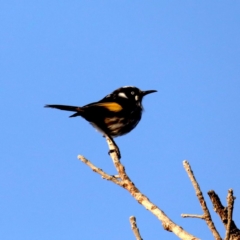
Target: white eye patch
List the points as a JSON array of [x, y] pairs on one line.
[[121, 94], [136, 97]]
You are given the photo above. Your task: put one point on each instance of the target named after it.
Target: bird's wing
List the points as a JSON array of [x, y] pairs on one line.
[[111, 106]]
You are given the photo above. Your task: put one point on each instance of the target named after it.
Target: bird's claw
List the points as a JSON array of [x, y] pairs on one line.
[[116, 150]]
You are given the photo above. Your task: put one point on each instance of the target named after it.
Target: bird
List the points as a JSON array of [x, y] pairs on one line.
[[116, 114]]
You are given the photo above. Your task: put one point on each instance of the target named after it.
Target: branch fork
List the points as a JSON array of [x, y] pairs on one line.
[[124, 181]]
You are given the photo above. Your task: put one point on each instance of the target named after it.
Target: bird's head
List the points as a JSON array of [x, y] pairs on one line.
[[132, 94]]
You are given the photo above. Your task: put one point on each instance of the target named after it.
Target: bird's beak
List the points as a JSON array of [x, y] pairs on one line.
[[144, 93]]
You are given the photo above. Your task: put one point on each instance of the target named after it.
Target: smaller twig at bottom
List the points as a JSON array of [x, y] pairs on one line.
[[193, 216], [135, 228], [230, 201]]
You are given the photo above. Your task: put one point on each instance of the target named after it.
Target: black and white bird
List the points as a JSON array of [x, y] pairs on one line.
[[116, 114]]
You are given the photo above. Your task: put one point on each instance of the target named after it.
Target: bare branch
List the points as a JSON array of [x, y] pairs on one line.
[[124, 181], [230, 201], [223, 214], [135, 228], [207, 216], [218, 207], [193, 216], [167, 223], [99, 171]]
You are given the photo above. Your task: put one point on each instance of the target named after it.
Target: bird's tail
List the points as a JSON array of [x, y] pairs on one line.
[[78, 110]]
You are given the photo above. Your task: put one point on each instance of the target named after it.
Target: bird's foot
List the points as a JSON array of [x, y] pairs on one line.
[[116, 150], [113, 147]]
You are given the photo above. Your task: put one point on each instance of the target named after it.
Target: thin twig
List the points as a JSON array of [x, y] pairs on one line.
[[230, 201], [206, 213], [135, 228], [99, 171], [193, 216]]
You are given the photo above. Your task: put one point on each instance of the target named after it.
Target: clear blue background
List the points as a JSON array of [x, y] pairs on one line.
[[76, 52]]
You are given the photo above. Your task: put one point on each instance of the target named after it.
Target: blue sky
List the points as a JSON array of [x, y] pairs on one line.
[[76, 52]]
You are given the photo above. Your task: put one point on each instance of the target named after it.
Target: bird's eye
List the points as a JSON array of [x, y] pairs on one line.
[[132, 92]]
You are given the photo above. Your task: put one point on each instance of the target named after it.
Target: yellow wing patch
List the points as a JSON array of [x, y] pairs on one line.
[[111, 106]]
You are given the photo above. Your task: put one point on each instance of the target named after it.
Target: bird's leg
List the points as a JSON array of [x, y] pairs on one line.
[[115, 148]]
